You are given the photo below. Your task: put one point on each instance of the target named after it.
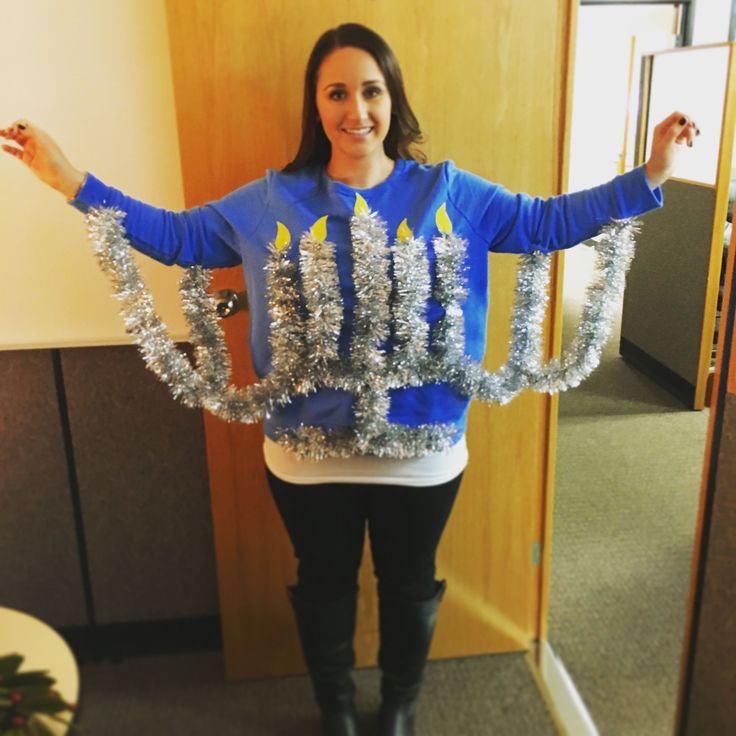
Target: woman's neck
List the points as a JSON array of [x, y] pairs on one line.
[[360, 174]]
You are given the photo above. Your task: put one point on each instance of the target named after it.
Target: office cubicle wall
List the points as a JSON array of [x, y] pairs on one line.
[[670, 305]]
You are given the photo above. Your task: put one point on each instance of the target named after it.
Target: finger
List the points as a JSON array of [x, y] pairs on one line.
[[673, 119], [688, 133], [13, 151], [14, 134], [21, 130], [678, 131]]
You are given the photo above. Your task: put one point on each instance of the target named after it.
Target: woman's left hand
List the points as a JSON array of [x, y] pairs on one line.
[[673, 131]]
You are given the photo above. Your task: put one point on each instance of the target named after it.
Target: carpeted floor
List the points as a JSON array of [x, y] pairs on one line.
[[626, 497], [186, 695], [626, 494]]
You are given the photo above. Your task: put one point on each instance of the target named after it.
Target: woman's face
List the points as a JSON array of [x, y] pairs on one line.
[[353, 103]]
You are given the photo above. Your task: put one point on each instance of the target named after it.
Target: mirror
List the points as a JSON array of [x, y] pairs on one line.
[[630, 451]]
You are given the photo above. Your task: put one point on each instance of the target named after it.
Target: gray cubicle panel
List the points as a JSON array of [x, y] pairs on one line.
[[39, 563], [143, 487], [665, 304], [105, 510]]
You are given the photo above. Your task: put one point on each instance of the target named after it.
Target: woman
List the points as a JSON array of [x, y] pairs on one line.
[[329, 469]]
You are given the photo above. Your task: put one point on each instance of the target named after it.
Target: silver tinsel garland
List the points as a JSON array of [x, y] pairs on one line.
[[304, 350]]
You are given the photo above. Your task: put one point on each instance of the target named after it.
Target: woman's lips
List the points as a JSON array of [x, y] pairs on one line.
[[358, 132]]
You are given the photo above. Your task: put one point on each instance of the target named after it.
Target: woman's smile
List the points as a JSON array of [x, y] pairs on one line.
[[354, 107]]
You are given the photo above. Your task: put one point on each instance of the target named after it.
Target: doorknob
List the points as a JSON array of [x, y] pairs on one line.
[[229, 302]]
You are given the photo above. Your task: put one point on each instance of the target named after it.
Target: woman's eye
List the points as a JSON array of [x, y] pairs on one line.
[[335, 92], [373, 91]]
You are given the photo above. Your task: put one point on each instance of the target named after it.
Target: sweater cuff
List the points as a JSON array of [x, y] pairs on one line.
[[93, 193], [651, 196]]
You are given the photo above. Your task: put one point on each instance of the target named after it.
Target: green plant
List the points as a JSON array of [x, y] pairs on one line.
[[26, 694]]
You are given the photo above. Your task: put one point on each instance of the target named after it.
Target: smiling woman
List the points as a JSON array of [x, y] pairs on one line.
[[352, 323], [354, 110], [353, 81]]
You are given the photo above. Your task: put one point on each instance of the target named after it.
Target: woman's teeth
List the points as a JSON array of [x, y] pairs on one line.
[[358, 131]]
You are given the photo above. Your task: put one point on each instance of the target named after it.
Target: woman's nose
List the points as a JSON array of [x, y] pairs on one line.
[[357, 107]]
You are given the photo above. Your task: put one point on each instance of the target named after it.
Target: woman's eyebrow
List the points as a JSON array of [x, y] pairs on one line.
[[342, 84]]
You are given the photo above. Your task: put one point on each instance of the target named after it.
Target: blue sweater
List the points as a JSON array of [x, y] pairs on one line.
[[239, 228]]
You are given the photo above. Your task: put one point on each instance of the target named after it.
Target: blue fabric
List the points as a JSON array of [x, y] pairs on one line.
[[239, 227]]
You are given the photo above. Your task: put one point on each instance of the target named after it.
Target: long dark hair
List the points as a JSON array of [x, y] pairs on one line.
[[315, 147]]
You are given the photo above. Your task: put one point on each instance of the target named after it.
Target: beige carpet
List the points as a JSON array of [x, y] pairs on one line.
[[186, 695], [629, 463]]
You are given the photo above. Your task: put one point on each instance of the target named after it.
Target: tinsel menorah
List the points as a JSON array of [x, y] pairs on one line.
[[304, 343]]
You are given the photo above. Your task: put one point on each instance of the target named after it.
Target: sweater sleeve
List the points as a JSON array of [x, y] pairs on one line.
[[519, 223], [202, 236]]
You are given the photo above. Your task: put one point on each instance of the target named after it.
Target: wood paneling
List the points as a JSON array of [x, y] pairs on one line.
[[711, 702], [707, 678], [485, 80]]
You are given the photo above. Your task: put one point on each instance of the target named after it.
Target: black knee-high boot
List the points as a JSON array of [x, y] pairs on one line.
[[406, 629], [326, 630]]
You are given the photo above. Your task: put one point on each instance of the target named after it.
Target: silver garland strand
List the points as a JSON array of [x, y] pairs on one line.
[[397, 442], [321, 289], [409, 312], [614, 254], [304, 352], [370, 326]]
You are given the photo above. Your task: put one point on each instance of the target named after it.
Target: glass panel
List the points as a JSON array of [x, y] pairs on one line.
[[692, 80]]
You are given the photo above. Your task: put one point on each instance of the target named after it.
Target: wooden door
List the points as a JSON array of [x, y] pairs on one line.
[[486, 80]]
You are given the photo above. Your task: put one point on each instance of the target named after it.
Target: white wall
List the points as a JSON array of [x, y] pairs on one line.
[[97, 76], [711, 21]]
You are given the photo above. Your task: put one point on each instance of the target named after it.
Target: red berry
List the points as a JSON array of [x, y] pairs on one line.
[[52, 693], [18, 721], [16, 697], [71, 706]]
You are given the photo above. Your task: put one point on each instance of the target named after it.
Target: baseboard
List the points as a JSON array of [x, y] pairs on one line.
[[120, 641], [560, 694], [658, 372]]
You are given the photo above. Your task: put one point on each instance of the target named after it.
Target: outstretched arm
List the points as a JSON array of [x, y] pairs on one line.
[[675, 130], [200, 235], [519, 223], [43, 156]]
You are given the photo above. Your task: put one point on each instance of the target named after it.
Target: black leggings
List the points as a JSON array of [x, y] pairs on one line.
[[326, 524]]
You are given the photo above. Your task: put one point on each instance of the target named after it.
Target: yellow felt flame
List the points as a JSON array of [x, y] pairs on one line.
[[444, 224], [361, 206], [283, 236], [319, 229], [404, 232]]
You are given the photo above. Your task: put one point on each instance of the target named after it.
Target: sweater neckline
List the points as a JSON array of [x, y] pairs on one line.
[[338, 186]]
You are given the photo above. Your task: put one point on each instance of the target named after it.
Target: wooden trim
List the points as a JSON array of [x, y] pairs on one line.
[[629, 83], [719, 217], [695, 582], [731, 387], [554, 344], [644, 93], [680, 49]]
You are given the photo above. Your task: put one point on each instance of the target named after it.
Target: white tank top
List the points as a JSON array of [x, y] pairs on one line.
[[429, 470]]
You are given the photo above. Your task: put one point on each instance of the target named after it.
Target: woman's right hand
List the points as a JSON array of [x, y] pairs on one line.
[[42, 155]]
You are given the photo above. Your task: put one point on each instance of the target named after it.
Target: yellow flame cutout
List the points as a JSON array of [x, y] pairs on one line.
[[283, 236], [361, 206], [444, 224], [404, 232], [319, 229]]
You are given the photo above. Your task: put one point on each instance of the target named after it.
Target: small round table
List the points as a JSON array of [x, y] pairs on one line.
[[42, 648]]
